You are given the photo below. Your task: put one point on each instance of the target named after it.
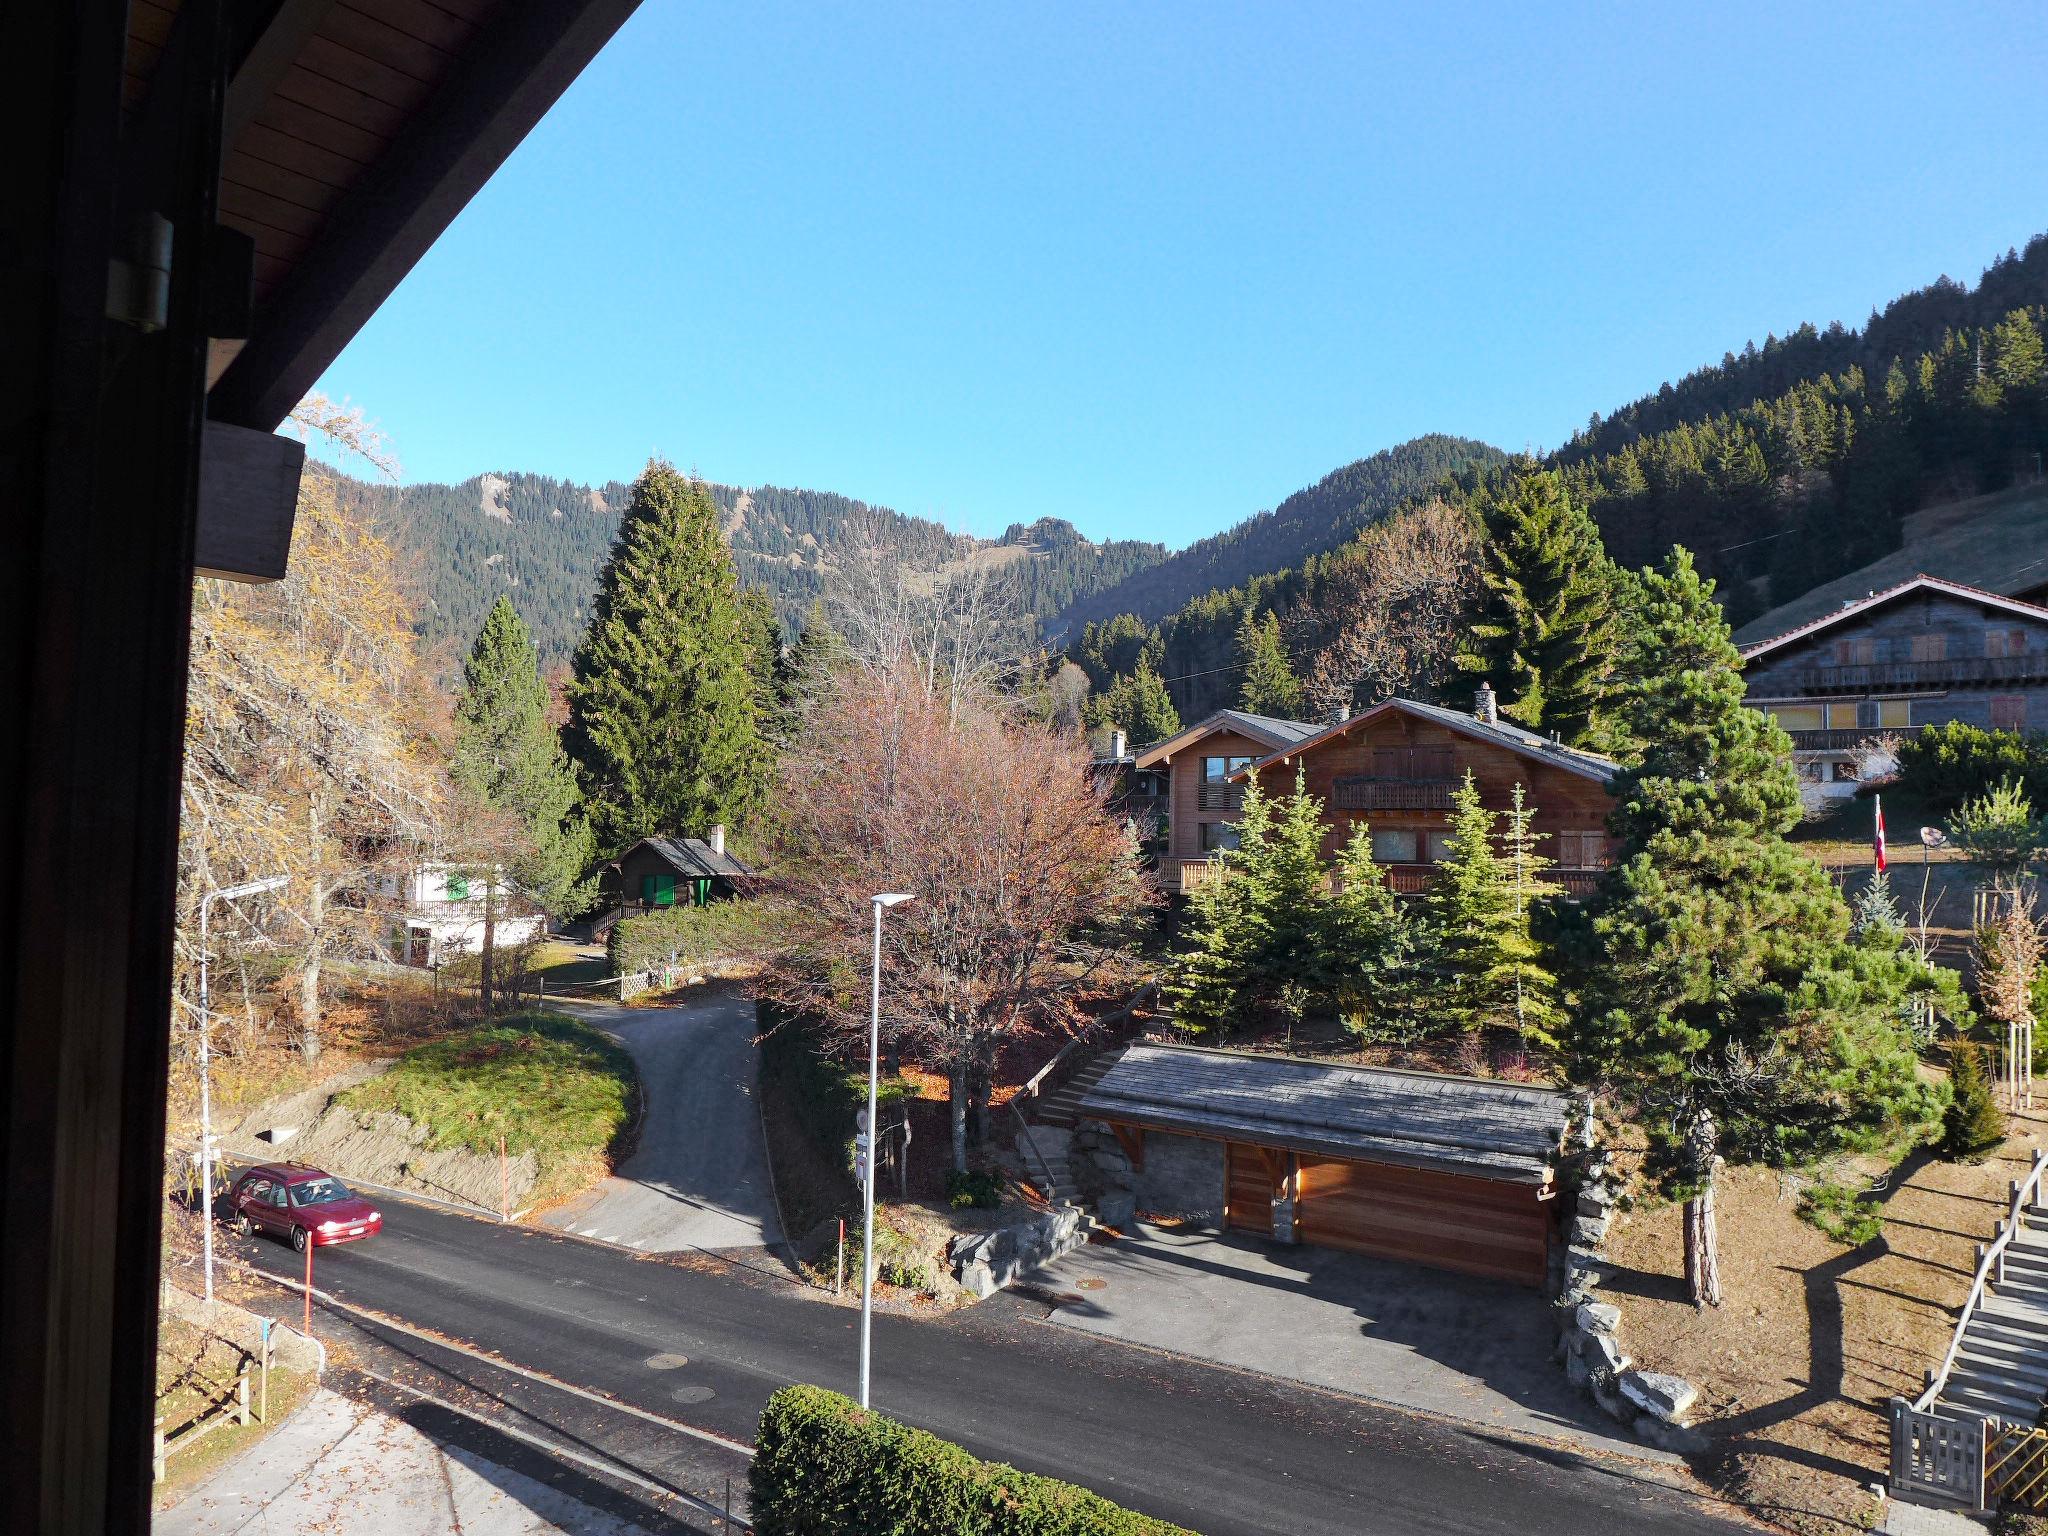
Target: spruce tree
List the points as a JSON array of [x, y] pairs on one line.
[[1973, 1126], [664, 714], [1726, 1000], [1491, 973], [1280, 861], [1545, 635], [1139, 703], [1270, 686], [1364, 937], [808, 668], [508, 758]]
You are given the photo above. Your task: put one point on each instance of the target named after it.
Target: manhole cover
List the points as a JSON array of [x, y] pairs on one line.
[[693, 1394], [1092, 1283], [666, 1362]]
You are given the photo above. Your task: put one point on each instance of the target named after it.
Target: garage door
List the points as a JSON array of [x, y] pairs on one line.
[[1248, 1194], [1477, 1226]]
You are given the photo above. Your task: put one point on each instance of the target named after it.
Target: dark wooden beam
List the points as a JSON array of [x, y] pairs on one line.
[[248, 500], [281, 35], [524, 58], [99, 470]]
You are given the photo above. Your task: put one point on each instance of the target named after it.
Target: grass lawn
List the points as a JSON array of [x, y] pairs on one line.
[[194, 1371], [568, 962], [542, 1081]]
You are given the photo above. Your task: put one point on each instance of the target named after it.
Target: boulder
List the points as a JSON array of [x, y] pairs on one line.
[[1576, 1371], [1118, 1209], [1588, 1231], [1597, 1317], [1611, 1402], [1666, 1397], [1603, 1354], [1675, 1438], [1595, 1200]]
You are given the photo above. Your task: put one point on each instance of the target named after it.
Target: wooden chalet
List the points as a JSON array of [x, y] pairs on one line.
[[662, 872], [1457, 1173], [1923, 652], [1394, 767], [1201, 802]]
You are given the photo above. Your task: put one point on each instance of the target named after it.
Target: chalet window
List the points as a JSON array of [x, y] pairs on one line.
[[1581, 850], [1437, 846], [1800, 717], [1218, 835], [658, 890], [1866, 715], [2005, 642], [1395, 845], [1930, 647], [1216, 769], [2008, 711], [456, 887]]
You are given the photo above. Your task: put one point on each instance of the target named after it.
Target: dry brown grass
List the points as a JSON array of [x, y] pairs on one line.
[[1796, 1368]]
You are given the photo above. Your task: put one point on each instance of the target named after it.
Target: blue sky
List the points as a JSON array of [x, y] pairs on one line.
[[1152, 267]]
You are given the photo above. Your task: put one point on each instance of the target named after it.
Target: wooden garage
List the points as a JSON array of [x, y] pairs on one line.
[[1453, 1172]]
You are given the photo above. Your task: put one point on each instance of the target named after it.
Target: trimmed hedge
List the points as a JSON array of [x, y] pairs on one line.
[[694, 936], [822, 1467], [1950, 763]]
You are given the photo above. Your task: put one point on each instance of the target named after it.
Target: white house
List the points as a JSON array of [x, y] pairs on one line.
[[437, 913]]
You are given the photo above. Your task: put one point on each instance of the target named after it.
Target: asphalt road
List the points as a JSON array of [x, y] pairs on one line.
[[699, 1177], [1225, 1453]]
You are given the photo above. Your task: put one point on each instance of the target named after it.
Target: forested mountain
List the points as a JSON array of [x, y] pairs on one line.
[[1307, 523], [1781, 468], [544, 541]]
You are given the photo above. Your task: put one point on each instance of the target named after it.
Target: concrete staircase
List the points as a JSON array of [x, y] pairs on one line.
[[1061, 1107], [2001, 1366]]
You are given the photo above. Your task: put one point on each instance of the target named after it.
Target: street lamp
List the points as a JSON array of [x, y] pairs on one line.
[[232, 893], [867, 1143]]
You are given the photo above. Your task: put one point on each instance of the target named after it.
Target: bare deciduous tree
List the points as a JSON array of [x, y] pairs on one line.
[[1392, 610], [1024, 882], [959, 632]]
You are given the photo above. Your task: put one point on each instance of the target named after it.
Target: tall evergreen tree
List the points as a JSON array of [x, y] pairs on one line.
[[509, 758], [1365, 940], [664, 714], [1545, 637], [1139, 703], [1727, 1002], [1270, 686], [819, 652]]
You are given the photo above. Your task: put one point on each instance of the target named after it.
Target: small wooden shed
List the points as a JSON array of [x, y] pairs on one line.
[[1454, 1172]]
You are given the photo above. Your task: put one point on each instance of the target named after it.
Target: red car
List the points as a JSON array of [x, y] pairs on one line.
[[302, 1204]]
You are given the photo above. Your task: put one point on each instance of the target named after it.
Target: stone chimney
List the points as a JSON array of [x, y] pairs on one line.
[[717, 839], [1118, 741], [1483, 709]]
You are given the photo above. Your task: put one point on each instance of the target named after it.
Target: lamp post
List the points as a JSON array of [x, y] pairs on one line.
[[867, 1143], [232, 893]]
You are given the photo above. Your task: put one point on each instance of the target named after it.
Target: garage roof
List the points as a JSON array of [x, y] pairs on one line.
[[1493, 1130]]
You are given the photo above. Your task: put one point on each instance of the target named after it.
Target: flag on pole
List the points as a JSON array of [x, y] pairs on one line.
[[1878, 837]]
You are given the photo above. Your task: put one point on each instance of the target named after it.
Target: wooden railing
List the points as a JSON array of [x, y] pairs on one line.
[[1833, 740], [1414, 879], [1193, 874], [2031, 667], [1375, 794], [1990, 1271]]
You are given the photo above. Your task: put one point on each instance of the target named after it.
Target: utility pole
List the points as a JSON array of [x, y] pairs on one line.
[[868, 1148]]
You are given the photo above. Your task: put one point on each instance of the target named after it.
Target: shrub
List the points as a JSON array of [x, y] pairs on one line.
[[1948, 764], [823, 1467], [1845, 1215], [1973, 1127], [983, 1190], [1999, 826], [695, 936]]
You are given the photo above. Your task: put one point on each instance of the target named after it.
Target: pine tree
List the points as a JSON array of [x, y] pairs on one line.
[[1491, 973], [1270, 686], [1973, 1126], [1545, 636], [508, 757], [1139, 703], [1725, 998], [664, 714], [1365, 940], [1280, 861], [807, 668]]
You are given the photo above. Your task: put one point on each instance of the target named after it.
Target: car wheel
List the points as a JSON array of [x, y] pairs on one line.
[[244, 1227], [299, 1239]]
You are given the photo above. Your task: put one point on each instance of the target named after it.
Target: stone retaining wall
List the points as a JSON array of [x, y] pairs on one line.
[[1655, 1406], [985, 1262], [1182, 1176]]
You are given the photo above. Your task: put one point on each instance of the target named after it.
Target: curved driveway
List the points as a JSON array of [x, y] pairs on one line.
[[699, 1177]]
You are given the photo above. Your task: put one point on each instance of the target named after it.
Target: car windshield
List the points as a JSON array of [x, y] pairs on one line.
[[321, 1191]]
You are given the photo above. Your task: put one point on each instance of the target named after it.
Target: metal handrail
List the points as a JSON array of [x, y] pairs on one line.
[[1034, 1084], [1989, 1257]]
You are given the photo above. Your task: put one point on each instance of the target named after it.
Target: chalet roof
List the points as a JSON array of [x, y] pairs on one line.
[[692, 858], [1494, 1130], [1875, 600], [1269, 731], [1996, 543], [1589, 765]]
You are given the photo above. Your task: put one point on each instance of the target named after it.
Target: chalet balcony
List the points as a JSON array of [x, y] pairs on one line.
[[1219, 797], [1958, 671], [1371, 793], [1839, 739], [1404, 879]]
